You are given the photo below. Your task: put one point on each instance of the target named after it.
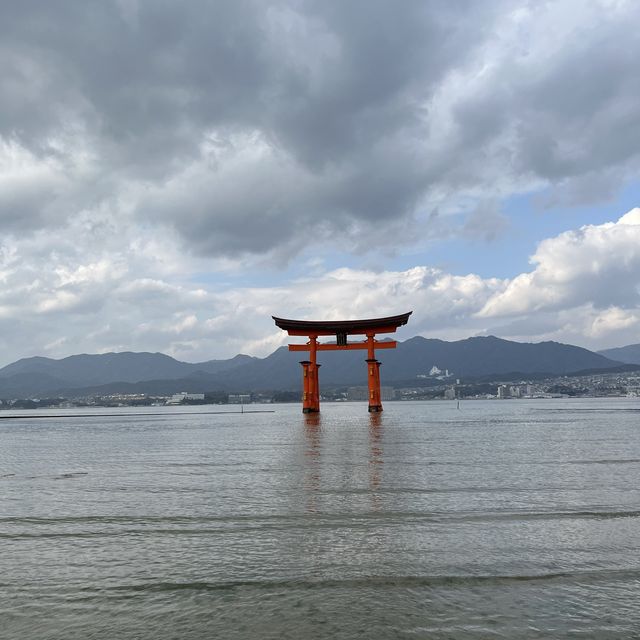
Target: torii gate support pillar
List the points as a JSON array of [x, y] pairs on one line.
[[375, 397], [311, 380], [306, 398], [373, 377]]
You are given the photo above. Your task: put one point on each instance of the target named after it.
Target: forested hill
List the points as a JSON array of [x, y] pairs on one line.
[[629, 354], [413, 359]]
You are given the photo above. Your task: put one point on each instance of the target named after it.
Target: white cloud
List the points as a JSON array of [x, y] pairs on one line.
[[119, 300], [614, 320], [599, 264]]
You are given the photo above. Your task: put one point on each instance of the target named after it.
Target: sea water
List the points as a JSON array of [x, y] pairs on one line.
[[500, 519]]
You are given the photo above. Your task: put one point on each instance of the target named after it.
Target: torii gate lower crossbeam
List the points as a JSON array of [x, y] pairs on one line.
[[341, 329]]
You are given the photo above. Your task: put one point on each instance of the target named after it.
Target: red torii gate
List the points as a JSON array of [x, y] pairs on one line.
[[341, 329]]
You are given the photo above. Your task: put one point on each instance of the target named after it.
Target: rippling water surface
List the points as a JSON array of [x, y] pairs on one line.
[[512, 519]]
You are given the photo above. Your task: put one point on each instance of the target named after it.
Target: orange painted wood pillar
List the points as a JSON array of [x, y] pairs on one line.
[[373, 377], [316, 398], [314, 380], [375, 402], [306, 398], [371, 352], [378, 390]]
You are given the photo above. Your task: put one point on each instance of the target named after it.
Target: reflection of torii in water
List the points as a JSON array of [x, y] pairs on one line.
[[341, 329], [375, 453], [312, 480], [312, 460]]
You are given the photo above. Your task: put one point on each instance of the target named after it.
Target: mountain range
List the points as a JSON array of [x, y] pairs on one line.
[[157, 373], [629, 354]]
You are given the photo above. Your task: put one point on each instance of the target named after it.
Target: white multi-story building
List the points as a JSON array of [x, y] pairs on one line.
[[239, 398], [179, 398]]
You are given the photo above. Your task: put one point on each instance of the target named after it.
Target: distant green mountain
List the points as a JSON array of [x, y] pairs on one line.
[[415, 357], [411, 361], [629, 354], [97, 369]]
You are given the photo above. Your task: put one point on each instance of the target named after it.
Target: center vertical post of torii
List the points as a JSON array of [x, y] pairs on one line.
[[341, 330]]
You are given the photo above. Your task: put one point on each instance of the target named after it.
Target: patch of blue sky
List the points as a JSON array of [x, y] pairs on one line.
[[509, 253]]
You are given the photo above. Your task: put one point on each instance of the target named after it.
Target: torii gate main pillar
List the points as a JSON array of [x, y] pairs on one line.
[[341, 329], [311, 380]]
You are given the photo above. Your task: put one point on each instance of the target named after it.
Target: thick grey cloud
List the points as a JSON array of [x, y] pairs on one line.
[[243, 123], [148, 149]]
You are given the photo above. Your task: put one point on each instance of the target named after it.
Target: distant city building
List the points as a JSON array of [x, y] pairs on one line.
[[179, 398], [435, 371], [239, 398], [450, 393]]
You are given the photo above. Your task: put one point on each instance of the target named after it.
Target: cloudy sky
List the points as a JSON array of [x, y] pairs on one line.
[[172, 174]]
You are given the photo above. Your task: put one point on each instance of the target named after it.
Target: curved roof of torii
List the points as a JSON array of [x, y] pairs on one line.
[[330, 327]]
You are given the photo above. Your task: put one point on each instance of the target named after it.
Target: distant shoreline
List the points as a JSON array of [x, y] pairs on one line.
[[147, 413]]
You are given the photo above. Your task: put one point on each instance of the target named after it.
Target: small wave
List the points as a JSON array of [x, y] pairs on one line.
[[68, 476], [605, 461], [198, 524], [391, 582], [585, 410], [196, 465], [545, 515], [143, 520]]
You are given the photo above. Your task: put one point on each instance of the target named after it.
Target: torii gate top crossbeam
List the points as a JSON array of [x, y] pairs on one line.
[[333, 327]]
